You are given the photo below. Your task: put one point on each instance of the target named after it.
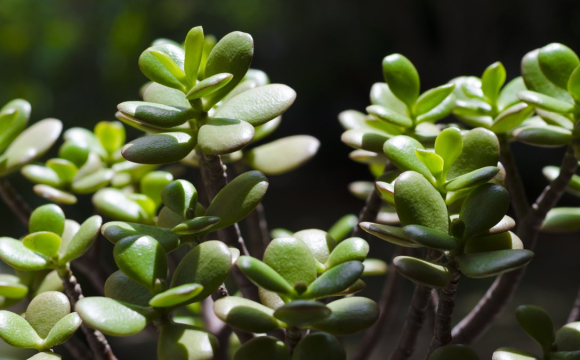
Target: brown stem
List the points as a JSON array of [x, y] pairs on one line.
[[415, 319], [432, 309], [514, 182], [476, 323], [77, 349], [387, 303], [575, 312], [14, 201], [258, 229], [97, 341], [293, 337], [442, 331]]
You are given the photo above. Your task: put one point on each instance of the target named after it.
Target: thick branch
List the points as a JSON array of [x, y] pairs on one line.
[[14, 201], [476, 323], [97, 341], [387, 302], [293, 337], [442, 331]]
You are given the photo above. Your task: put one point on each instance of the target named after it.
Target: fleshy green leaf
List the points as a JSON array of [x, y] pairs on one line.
[[164, 148], [238, 198], [432, 161], [115, 204], [193, 48], [62, 330], [224, 136], [45, 310], [423, 272], [320, 243], [208, 264], [14, 253], [401, 150], [471, 179], [160, 115], [418, 203], [389, 233], [547, 136], [573, 85], [364, 139], [448, 145], [493, 263], [180, 196], [264, 276], [562, 220], [480, 149], [343, 227], [111, 134], [54, 195], [13, 119], [185, 342], [430, 238], [402, 78], [142, 259], [120, 287], [538, 324], [176, 296], [156, 71], [319, 346], [47, 355], [557, 62], [43, 242], [262, 348], [347, 250], [282, 155], [292, 259], [335, 280], [232, 54], [112, 317], [393, 117], [209, 85], [568, 337], [259, 105], [302, 313], [545, 102], [349, 315], [41, 175], [153, 183], [16, 331], [195, 225], [511, 118], [502, 241], [483, 208], [159, 94], [505, 353], [374, 267], [82, 240], [492, 80], [47, 217], [117, 230], [245, 315], [432, 98], [536, 80]]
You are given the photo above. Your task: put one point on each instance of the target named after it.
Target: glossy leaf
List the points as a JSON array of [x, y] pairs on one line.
[[193, 47], [349, 315], [423, 272], [264, 276], [390, 116], [111, 134], [207, 264], [418, 203], [179, 196], [185, 342], [471, 179], [538, 324], [238, 198], [15, 254], [505, 353], [568, 337], [245, 315], [259, 105], [54, 195], [41, 175], [120, 287], [320, 243], [112, 317], [545, 102], [176, 296], [16, 331], [548, 136], [43, 242], [432, 98], [142, 259], [334, 280], [117, 230], [430, 238], [13, 119], [502, 241], [483, 208], [480, 149], [492, 80], [161, 115], [343, 227], [302, 313], [557, 62], [432, 161], [292, 259], [536, 80], [382, 95], [573, 85], [153, 183], [62, 330], [159, 94], [448, 145], [164, 148], [562, 220], [45, 310], [319, 346], [402, 78], [389, 233], [115, 204], [155, 70], [47, 217], [232, 54], [195, 225], [47, 355], [82, 240], [224, 136], [209, 85], [282, 155], [511, 118], [347, 250], [262, 348], [401, 151], [374, 267], [364, 139], [493, 263]]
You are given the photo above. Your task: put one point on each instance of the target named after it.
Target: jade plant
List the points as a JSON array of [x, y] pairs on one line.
[[445, 193]]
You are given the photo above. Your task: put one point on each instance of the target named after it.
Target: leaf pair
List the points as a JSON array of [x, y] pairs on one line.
[[53, 241], [48, 322]]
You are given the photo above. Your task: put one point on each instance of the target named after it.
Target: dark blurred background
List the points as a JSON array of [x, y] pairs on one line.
[[76, 60]]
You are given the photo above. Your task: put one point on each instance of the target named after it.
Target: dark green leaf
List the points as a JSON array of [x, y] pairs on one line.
[[142, 259], [302, 313], [538, 324], [547, 136], [401, 151], [262, 348], [493, 263], [389, 116], [511, 118], [483, 208], [432, 98], [388, 233], [120, 287], [245, 314], [349, 315], [334, 280], [264, 276], [364, 139], [195, 225], [471, 179], [319, 346], [545, 102], [164, 148], [557, 62], [180, 196], [176, 296], [423, 272], [185, 342], [480, 149], [430, 237], [562, 220], [117, 230]]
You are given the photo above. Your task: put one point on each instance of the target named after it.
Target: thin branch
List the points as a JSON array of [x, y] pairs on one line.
[[442, 331], [97, 341], [478, 321], [258, 229], [432, 309], [415, 319], [293, 337], [515, 185], [387, 303], [575, 312], [14, 201]]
